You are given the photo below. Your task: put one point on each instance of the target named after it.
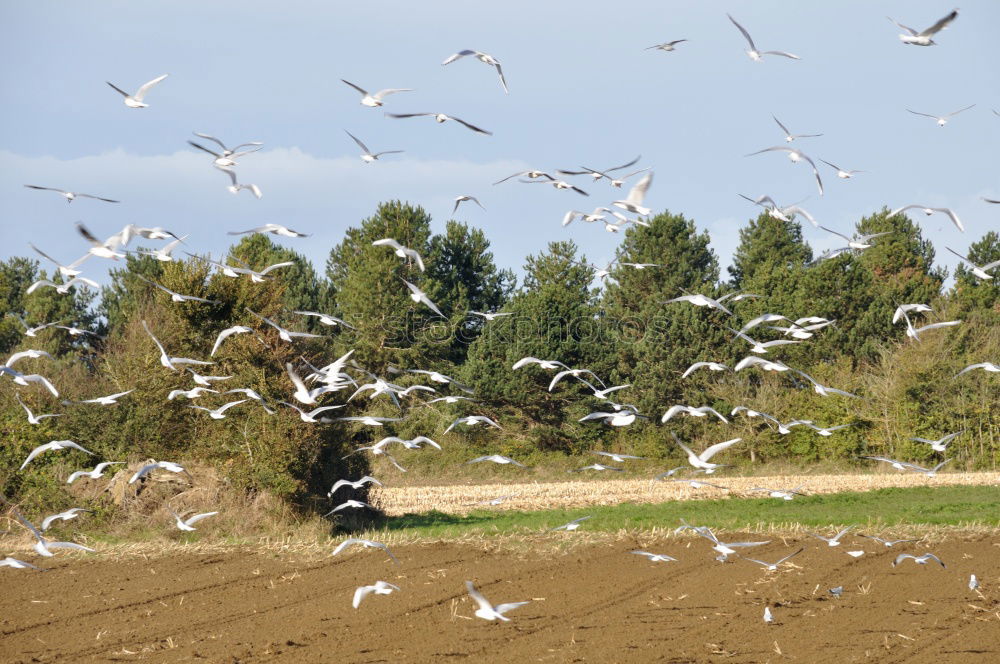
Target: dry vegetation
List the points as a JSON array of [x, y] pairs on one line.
[[457, 499]]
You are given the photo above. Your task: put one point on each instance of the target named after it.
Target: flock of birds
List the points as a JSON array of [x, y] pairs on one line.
[[343, 373]]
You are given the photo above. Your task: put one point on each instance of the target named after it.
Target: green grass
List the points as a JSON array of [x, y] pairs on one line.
[[929, 506]]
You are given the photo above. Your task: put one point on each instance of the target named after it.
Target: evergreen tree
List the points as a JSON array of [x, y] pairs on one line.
[[972, 293]]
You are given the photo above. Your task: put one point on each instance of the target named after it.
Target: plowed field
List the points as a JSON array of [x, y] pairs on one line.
[[589, 602]]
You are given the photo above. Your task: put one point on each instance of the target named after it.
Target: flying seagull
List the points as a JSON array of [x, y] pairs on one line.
[[167, 361], [175, 296], [832, 541], [235, 187], [636, 196], [188, 524], [925, 38], [70, 196], [985, 366], [401, 251], [53, 445], [193, 393], [418, 295], [842, 173], [464, 197], [109, 400], [754, 54], [71, 513], [655, 557], [487, 611], [789, 136], [135, 100], [220, 412], [571, 526], [773, 567], [18, 564], [32, 418], [367, 479], [274, 229], [666, 46], [942, 120], [228, 332], [223, 160], [43, 546], [497, 458], [485, 58], [700, 300], [701, 461], [375, 100], [929, 211], [712, 366], [157, 465], [439, 118], [367, 156], [795, 156], [379, 588], [471, 420], [978, 270], [97, 472], [368, 544], [283, 334], [920, 560], [325, 319], [225, 150], [941, 444]]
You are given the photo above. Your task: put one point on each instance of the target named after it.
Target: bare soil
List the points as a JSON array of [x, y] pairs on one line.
[[590, 601]]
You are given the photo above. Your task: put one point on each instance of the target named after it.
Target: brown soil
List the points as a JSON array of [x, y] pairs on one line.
[[590, 602]]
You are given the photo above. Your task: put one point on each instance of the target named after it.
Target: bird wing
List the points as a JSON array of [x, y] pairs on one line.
[[783, 54], [937, 27], [783, 127], [503, 81], [358, 141], [926, 115], [213, 139], [198, 517], [951, 215], [476, 595], [211, 152], [746, 34], [456, 56], [638, 192], [146, 87], [718, 447], [359, 89], [471, 126], [388, 91], [828, 230], [114, 87], [362, 591]]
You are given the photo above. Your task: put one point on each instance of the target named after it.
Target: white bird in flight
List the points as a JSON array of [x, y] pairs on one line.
[[571, 526], [228, 332], [701, 461], [773, 567], [175, 296], [220, 412], [379, 588], [375, 100], [823, 390], [441, 118], [167, 361], [188, 524], [655, 557], [497, 458], [97, 472], [795, 156], [925, 37], [325, 319], [832, 541], [978, 270], [929, 211], [366, 543], [401, 251], [418, 295], [70, 196], [24, 379], [169, 466], [941, 444], [310, 416], [224, 160], [920, 560], [666, 46], [753, 53], [18, 564], [907, 308], [52, 446], [789, 136], [109, 400], [32, 418], [65, 270], [485, 58], [942, 120], [487, 611], [136, 100], [985, 366], [44, 545], [712, 366], [71, 513], [283, 334], [367, 155], [637, 194], [357, 484], [471, 420], [236, 187], [699, 300], [465, 197], [701, 411], [274, 229], [842, 173]]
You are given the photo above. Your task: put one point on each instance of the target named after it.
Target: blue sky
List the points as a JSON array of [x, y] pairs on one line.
[[582, 91]]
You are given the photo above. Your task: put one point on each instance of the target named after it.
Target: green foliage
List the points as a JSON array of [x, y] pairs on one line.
[[974, 295]]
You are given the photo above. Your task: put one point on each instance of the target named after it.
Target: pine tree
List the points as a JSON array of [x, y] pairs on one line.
[[972, 293]]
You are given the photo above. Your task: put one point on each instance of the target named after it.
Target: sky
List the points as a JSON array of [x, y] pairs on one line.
[[584, 91]]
